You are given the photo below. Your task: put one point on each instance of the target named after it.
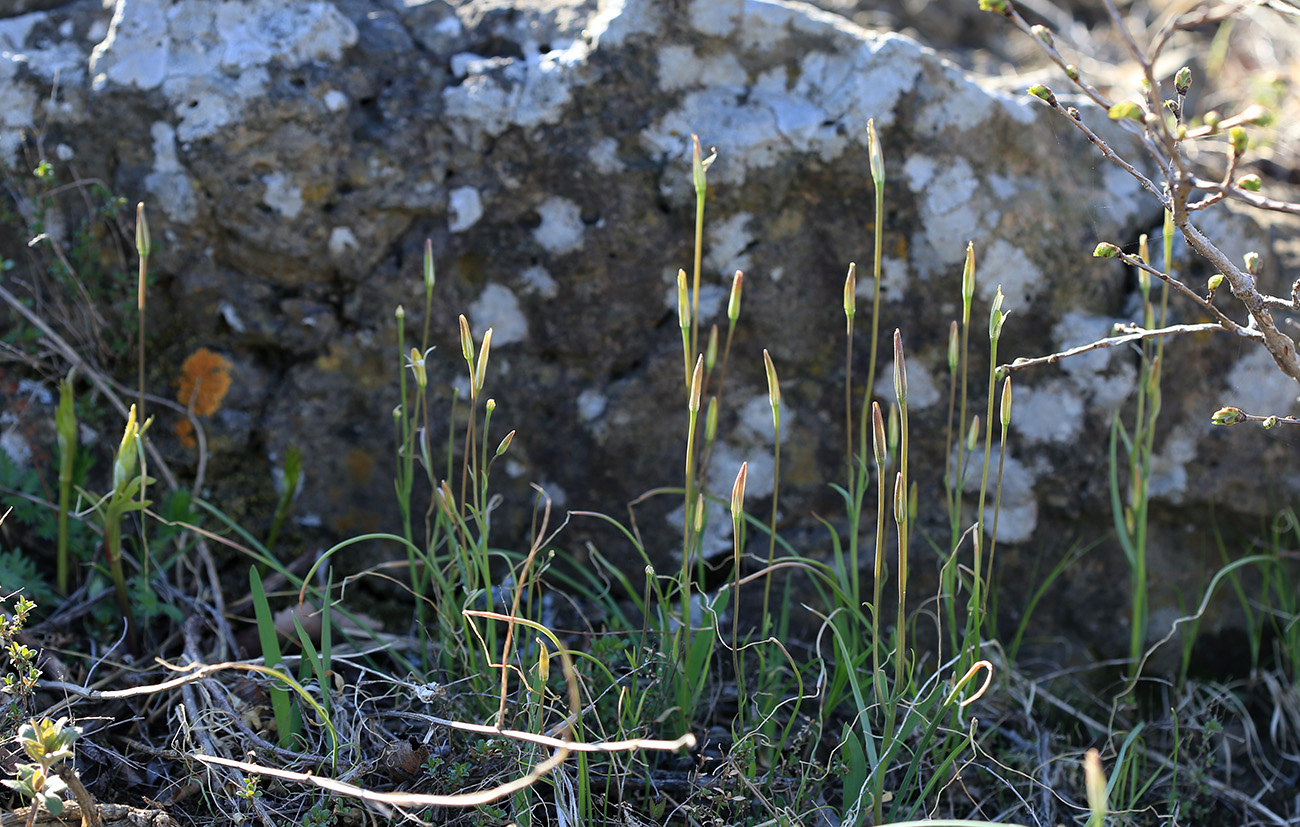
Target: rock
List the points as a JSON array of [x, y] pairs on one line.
[[295, 157]]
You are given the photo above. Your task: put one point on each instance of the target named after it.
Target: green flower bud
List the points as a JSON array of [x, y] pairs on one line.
[[996, 316], [900, 370], [952, 347], [1250, 183], [683, 302], [711, 350], [973, 435], [878, 441], [875, 154], [738, 493], [142, 243], [1006, 403], [711, 420], [967, 282], [697, 384], [850, 293], [733, 303], [505, 443], [429, 275], [773, 383]]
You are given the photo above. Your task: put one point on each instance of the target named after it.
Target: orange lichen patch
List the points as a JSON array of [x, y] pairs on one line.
[[184, 430], [204, 380]]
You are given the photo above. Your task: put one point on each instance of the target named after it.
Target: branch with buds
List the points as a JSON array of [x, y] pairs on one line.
[[1158, 124]]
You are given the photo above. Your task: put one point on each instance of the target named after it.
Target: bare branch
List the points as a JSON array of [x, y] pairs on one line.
[[1135, 334]]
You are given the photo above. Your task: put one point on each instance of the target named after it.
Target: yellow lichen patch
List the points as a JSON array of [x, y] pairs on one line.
[[204, 380]]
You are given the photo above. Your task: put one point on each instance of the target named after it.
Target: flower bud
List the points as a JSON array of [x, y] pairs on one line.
[[697, 382], [480, 368], [1183, 80], [967, 282], [466, 341], [1271, 422], [142, 244], [1006, 403], [505, 443], [683, 302], [429, 276], [973, 435], [878, 442], [1002, 7], [773, 383], [733, 303], [900, 370], [711, 350], [711, 420], [952, 347], [1094, 782], [876, 155], [996, 316], [738, 492], [850, 293]]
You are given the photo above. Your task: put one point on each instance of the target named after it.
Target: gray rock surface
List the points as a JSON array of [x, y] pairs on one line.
[[296, 155]]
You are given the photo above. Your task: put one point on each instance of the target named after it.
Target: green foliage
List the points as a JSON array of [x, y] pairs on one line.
[[46, 743]]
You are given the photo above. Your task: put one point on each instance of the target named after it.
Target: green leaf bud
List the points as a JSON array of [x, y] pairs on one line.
[[1228, 416], [1215, 281], [1126, 110], [1072, 72], [1044, 34], [1183, 80], [1212, 119], [1038, 90], [1271, 422], [1003, 7], [1240, 141], [1105, 250], [1253, 263], [1250, 183]]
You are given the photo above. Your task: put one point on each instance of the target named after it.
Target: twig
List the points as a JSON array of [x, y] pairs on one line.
[[1114, 341]]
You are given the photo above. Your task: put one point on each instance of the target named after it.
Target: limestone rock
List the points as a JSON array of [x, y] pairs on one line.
[[295, 156]]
